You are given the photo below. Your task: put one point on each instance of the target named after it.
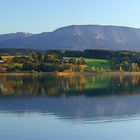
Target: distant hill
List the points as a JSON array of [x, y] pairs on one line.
[[77, 37]]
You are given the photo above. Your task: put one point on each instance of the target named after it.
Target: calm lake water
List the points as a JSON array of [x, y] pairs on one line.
[[74, 107]]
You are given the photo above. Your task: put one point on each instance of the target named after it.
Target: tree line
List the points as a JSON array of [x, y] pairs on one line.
[[41, 62], [61, 60]]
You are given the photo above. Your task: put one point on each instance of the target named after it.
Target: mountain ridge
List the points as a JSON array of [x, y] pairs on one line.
[[77, 37]]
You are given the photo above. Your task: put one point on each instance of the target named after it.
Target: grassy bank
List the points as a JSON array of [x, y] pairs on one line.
[[99, 63]]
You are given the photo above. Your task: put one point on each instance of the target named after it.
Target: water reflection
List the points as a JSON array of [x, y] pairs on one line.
[[76, 107], [69, 85], [82, 97]]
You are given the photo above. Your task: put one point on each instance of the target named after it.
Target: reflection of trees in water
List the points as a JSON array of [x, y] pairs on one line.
[[69, 85], [124, 85], [48, 85], [62, 84]]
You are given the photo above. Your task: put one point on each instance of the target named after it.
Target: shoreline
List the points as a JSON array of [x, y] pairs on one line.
[[70, 73]]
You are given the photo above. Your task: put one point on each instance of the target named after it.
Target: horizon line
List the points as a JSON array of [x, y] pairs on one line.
[[104, 25]]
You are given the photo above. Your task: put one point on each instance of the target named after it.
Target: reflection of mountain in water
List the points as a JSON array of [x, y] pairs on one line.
[[71, 85], [77, 107]]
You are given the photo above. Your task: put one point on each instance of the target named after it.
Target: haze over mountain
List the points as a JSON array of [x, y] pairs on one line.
[[77, 37]]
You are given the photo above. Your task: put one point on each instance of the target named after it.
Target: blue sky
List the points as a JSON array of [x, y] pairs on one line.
[[46, 15]]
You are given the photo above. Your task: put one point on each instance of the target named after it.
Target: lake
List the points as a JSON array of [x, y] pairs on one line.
[[66, 107]]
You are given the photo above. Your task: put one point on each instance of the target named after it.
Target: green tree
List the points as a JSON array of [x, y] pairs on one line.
[[81, 61], [72, 61], [27, 67]]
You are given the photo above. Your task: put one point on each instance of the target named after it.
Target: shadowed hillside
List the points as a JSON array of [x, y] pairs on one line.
[[77, 37]]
